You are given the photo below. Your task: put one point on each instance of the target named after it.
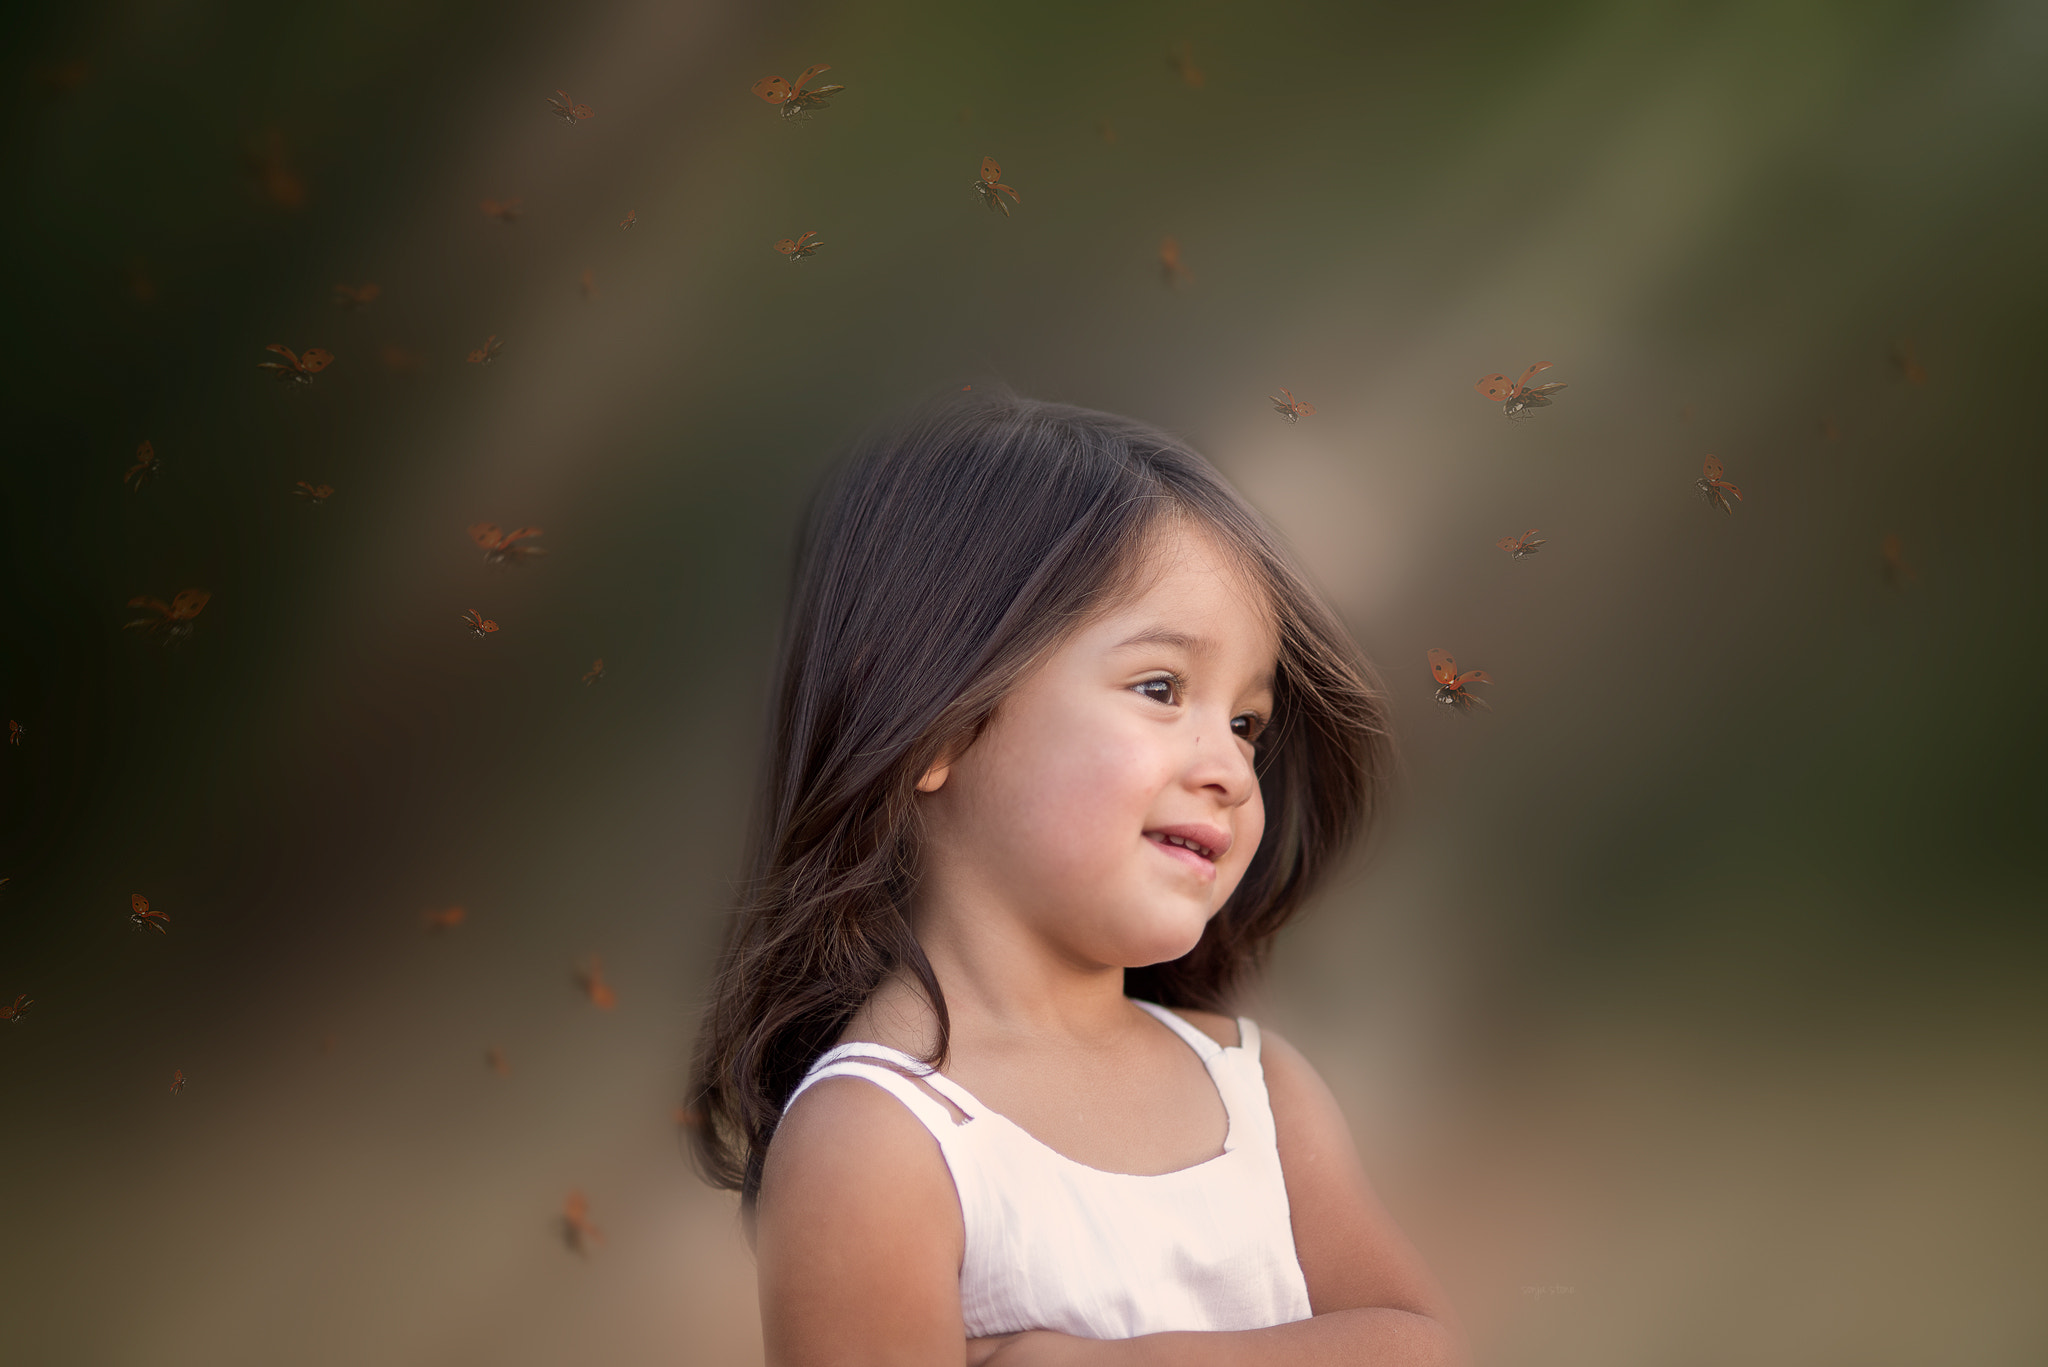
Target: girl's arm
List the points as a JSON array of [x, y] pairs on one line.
[[858, 1236], [1372, 1299]]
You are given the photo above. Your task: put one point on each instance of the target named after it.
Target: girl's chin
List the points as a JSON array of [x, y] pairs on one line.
[[1161, 938]]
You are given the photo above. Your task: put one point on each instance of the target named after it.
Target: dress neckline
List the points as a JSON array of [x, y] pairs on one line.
[[972, 1105]]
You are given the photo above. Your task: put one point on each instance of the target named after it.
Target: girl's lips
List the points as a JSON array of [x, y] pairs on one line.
[[1209, 841], [1182, 855]]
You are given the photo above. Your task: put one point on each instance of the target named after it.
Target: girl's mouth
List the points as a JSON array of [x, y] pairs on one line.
[[1182, 842], [1197, 845], [1190, 856]]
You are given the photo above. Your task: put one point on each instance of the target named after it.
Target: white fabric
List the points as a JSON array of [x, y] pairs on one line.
[[1054, 1244]]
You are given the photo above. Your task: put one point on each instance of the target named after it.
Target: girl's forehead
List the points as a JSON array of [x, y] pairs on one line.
[[1189, 581]]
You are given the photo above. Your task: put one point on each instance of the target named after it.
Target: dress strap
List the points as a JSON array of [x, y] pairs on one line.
[[895, 1063], [1248, 1037], [1204, 1047], [929, 1113]]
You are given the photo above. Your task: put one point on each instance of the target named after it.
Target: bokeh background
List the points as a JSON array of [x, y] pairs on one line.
[[1688, 1007]]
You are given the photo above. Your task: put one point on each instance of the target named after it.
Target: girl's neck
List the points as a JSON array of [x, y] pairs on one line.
[[1003, 987]]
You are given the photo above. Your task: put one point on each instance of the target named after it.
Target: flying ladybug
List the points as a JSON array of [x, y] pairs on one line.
[[991, 189], [357, 296], [1907, 364], [177, 1081], [504, 210], [1517, 398], [595, 672], [577, 1231], [300, 369], [488, 352], [447, 918], [1171, 272], [271, 166], [15, 729], [1712, 487], [1291, 408], [568, 110], [13, 1014], [1519, 546], [176, 614], [1898, 572], [797, 248], [502, 547], [794, 99], [147, 463], [630, 219], [319, 493], [591, 980], [478, 623], [141, 915], [1452, 690]]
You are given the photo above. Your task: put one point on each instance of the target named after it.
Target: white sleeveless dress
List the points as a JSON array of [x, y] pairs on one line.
[[1055, 1244]]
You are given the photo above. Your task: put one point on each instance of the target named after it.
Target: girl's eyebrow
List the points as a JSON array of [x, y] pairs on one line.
[[1164, 636], [1180, 640]]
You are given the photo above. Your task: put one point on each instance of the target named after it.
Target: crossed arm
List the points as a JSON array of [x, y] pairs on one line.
[[860, 1243]]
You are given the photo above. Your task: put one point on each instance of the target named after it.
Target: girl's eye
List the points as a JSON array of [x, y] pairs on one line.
[[1168, 690]]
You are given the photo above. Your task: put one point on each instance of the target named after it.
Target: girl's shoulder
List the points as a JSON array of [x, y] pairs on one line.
[[857, 1210], [1275, 1053], [849, 1152], [1296, 1091], [850, 1116]]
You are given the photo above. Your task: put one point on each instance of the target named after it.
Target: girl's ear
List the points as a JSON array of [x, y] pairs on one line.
[[935, 777]]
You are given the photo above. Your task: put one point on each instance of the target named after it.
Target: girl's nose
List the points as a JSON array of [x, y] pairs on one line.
[[1217, 760]]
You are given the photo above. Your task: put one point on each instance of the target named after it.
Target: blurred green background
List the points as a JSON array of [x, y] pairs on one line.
[[1688, 1006]]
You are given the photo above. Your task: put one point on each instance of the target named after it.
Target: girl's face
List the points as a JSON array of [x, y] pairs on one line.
[[1069, 820]]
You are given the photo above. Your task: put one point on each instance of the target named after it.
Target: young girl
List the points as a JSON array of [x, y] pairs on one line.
[[1060, 740]]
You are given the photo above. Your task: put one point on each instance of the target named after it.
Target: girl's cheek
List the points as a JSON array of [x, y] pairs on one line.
[[1244, 851], [1250, 833], [1091, 762], [1096, 802]]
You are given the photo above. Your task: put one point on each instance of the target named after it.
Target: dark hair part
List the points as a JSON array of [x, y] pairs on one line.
[[943, 560]]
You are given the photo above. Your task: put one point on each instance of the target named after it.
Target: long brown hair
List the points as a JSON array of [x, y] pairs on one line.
[[945, 558]]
